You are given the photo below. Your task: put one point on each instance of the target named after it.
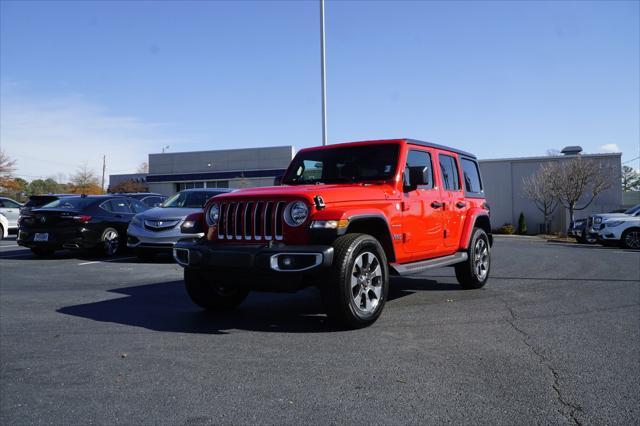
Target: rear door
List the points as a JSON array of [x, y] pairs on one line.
[[422, 216], [121, 214], [454, 204]]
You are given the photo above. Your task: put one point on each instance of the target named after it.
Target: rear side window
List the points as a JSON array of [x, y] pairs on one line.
[[449, 172], [119, 205], [472, 183]]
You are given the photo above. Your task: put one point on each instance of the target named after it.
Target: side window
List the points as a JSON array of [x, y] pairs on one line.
[[449, 172], [8, 204], [471, 175], [419, 164], [119, 205], [137, 206]]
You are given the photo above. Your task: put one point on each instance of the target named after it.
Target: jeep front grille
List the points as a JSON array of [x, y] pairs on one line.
[[251, 220]]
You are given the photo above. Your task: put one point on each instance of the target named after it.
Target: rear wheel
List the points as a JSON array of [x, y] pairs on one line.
[[474, 272], [631, 239], [1, 233], [42, 252], [207, 291], [356, 291], [109, 242]]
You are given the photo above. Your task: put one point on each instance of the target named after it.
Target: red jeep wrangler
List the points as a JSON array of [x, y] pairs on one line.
[[345, 218]]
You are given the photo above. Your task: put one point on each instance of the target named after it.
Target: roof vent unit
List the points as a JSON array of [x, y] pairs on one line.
[[572, 150]]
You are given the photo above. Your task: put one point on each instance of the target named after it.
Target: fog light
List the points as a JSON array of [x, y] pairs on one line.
[[287, 261]]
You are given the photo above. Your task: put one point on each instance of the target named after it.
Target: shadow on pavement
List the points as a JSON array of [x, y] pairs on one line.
[[166, 307]]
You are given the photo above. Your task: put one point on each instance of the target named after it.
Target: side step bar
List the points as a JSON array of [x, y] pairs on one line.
[[423, 265]]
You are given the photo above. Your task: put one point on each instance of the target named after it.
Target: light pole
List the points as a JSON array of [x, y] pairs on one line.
[[324, 77]]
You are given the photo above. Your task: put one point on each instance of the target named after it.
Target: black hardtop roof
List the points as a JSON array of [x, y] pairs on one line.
[[443, 147]]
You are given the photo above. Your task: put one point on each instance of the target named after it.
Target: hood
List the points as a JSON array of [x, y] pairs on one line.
[[606, 216], [167, 213], [622, 218], [334, 193]]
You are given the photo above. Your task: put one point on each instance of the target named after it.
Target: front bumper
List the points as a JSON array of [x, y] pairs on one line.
[[277, 259], [140, 238]]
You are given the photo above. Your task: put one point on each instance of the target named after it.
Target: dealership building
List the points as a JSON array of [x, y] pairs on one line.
[[251, 167]]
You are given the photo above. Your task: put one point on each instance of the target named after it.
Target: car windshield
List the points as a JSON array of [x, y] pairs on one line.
[[188, 199], [75, 203], [633, 210], [374, 162]]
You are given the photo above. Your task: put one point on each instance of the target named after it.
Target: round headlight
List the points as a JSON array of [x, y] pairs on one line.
[[213, 214], [296, 213]]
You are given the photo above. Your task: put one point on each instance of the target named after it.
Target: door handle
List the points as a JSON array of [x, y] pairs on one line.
[[461, 204], [436, 205]]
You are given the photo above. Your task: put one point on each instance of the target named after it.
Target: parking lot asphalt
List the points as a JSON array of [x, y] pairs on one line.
[[554, 337]]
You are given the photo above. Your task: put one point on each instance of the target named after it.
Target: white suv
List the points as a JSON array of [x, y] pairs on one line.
[[624, 230]]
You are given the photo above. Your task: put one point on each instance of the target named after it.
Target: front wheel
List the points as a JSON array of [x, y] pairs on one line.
[[631, 239], [356, 291], [109, 242], [207, 291], [473, 273]]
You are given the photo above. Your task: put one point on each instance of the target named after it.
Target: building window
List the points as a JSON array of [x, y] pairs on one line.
[[209, 184]]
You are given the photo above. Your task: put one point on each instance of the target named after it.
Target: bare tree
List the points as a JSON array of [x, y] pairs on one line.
[[85, 180], [577, 182], [7, 167], [143, 167], [630, 179], [538, 189]]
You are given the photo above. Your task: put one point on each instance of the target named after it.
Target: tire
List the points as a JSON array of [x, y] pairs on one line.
[[473, 273], [581, 240], [109, 243], [206, 291], [42, 252], [145, 255], [1, 233], [356, 290], [631, 239]]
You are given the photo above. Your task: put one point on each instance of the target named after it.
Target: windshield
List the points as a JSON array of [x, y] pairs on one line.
[[76, 203], [633, 210], [188, 199], [343, 164]]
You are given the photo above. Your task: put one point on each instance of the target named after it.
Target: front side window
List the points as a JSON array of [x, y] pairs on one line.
[[138, 206], [419, 160], [375, 162], [471, 176], [449, 173]]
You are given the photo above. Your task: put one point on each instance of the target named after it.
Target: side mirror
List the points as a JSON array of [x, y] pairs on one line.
[[419, 176]]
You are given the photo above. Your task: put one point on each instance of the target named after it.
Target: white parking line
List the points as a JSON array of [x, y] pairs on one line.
[[107, 260]]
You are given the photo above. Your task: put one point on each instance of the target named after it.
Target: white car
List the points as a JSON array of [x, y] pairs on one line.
[[10, 209], [4, 227], [624, 230]]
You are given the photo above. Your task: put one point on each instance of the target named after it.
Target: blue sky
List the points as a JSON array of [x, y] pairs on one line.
[[500, 79]]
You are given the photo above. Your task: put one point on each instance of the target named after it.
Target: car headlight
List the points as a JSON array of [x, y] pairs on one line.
[[136, 221], [213, 214], [296, 213], [597, 219], [613, 224]]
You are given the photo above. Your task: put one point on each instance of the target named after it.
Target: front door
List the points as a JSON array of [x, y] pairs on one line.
[[422, 215]]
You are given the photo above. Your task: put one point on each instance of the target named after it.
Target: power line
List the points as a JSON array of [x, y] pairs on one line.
[[633, 159]]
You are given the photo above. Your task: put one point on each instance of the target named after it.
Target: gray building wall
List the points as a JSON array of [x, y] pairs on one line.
[[502, 180]]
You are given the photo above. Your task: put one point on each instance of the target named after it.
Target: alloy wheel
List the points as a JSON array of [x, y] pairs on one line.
[[111, 242], [366, 282], [632, 240], [481, 259]]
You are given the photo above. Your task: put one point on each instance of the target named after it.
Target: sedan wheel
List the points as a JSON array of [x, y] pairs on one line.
[[110, 242], [631, 239]]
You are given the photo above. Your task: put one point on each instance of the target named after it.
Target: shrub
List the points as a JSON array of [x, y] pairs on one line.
[[522, 224], [507, 228]]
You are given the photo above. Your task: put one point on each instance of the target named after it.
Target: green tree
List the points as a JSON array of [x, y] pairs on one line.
[[522, 224], [44, 186], [630, 179]]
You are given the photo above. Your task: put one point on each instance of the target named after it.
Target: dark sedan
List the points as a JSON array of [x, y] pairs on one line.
[[97, 222]]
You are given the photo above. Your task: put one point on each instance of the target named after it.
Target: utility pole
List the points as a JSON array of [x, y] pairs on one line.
[[324, 77], [104, 167]]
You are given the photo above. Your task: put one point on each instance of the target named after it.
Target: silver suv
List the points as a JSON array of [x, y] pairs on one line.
[[158, 229]]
